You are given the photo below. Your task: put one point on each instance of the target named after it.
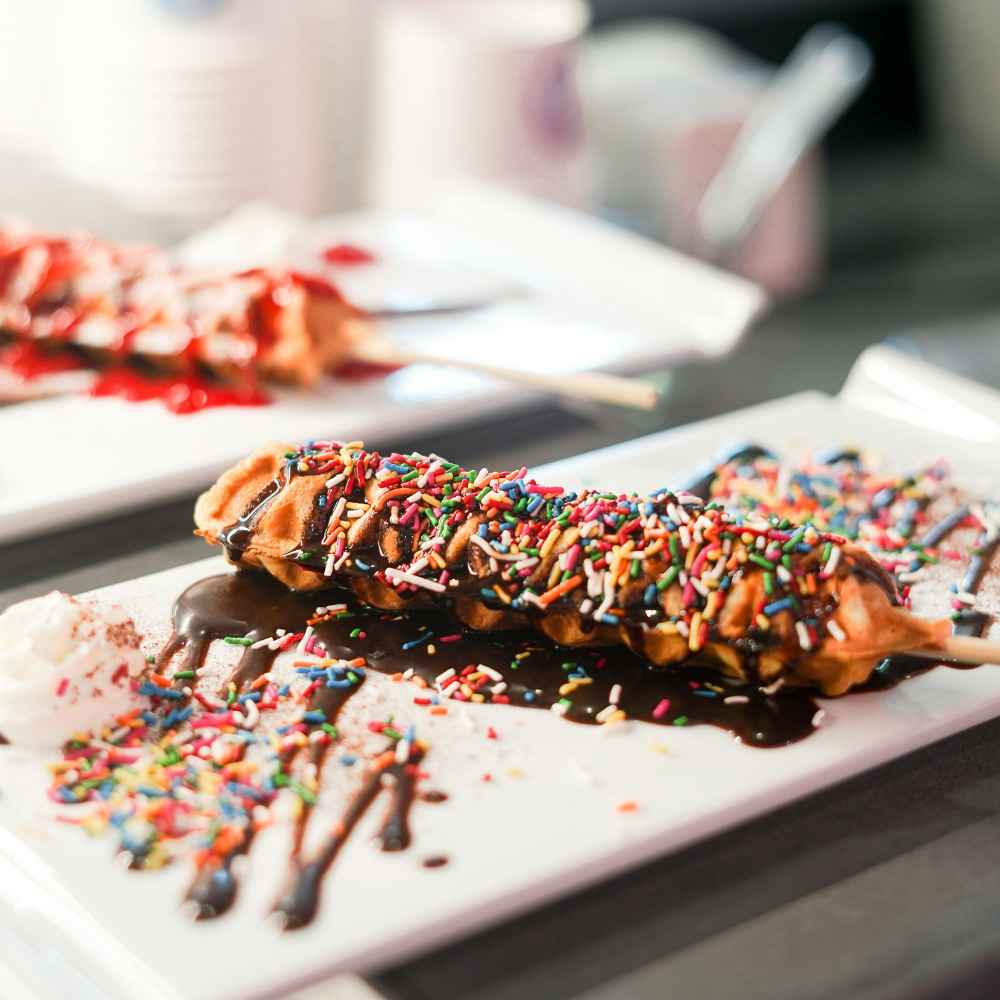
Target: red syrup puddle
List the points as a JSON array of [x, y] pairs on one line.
[[347, 255], [28, 361], [181, 394]]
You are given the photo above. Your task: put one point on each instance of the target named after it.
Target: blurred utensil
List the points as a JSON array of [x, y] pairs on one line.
[[826, 71]]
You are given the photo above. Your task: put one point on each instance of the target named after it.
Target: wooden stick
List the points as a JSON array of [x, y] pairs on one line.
[[595, 386], [962, 649]]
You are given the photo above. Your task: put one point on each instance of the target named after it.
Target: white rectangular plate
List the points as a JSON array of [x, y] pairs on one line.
[[546, 824], [549, 272]]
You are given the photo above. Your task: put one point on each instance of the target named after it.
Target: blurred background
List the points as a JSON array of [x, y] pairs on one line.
[[868, 187]]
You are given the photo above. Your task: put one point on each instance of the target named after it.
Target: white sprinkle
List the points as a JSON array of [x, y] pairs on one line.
[[445, 675], [397, 576], [910, 577], [499, 688], [736, 699], [803, 634], [407, 673], [335, 481], [304, 641], [448, 691], [773, 688], [966, 598], [493, 675], [832, 563], [783, 575], [605, 713], [616, 694], [818, 718], [251, 715], [586, 607], [559, 708], [836, 631], [328, 568], [402, 751], [260, 644], [340, 562]]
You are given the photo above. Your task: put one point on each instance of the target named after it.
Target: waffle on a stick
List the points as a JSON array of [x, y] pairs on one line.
[[108, 305], [666, 575]]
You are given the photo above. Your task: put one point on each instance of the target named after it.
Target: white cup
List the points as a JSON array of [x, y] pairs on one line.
[[480, 89]]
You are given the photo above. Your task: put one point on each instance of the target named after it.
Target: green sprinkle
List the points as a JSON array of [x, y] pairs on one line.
[[827, 551], [237, 640], [761, 561], [331, 731], [393, 734], [184, 675], [668, 578], [769, 583], [681, 720], [789, 546], [355, 632], [302, 792]]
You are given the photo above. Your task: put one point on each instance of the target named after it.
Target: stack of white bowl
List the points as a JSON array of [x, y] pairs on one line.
[[187, 108]]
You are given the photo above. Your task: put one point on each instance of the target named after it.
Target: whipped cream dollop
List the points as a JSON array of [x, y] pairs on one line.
[[66, 667]]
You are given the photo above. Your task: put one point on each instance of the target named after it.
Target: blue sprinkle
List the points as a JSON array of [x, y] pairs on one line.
[[149, 718], [608, 620], [348, 759], [155, 691], [488, 594], [401, 469], [253, 696], [705, 694], [529, 695], [153, 793], [775, 606], [649, 596], [421, 639], [484, 531], [315, 716], [363, 566], [284, 690]]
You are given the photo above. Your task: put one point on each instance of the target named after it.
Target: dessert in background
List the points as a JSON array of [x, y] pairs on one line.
[[154, 330]]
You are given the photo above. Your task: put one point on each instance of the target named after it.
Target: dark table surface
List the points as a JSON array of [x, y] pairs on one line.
[[884, 887]]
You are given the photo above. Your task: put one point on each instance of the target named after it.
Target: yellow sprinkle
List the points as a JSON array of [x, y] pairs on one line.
[[763, 622], [550, 540], [515, 772], [660, 748], [694, 643]]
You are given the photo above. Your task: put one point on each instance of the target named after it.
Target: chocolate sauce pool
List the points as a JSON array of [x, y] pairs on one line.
[[255, 604]]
